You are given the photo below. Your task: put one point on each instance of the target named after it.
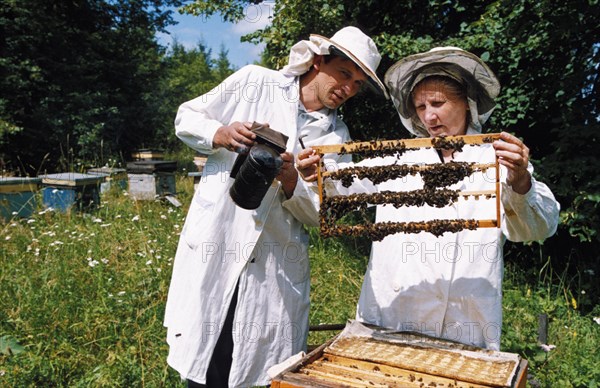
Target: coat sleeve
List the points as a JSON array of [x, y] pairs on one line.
[[197, 120], [304, 204], [531, 216]]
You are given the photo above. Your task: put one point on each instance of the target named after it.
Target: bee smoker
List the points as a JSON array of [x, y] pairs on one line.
[[254, 172]]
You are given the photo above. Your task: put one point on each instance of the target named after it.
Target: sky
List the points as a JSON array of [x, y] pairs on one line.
[[214, 31]]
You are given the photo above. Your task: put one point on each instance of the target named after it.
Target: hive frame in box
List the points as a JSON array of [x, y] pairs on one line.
[[364, 355], [391, 146]]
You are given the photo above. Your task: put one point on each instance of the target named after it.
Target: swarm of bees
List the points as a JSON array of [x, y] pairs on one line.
[[378, 231], [433, 175], [436, 178]]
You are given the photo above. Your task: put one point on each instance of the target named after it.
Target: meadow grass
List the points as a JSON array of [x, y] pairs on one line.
[[82, 299]]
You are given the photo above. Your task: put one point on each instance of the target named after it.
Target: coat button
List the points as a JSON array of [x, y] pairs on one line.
[[396, 287]]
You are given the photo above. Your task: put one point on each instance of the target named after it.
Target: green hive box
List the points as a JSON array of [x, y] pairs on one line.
[[113, 177], [18, 197]]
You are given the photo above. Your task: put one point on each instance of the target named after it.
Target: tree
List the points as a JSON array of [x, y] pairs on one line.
[[77, 75], [187, 74]]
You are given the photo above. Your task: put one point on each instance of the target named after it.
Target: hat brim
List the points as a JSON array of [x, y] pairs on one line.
[[374, 81], [400, 77]]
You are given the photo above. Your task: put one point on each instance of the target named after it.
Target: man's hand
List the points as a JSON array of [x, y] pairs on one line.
[[288, 176], [513, 154], [235, 137], [307, 164]]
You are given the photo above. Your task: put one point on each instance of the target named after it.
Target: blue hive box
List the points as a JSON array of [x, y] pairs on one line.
[[113, 177], [18, 197], [68, 190]]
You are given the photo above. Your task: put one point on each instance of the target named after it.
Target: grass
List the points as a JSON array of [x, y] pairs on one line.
[[82, 300]]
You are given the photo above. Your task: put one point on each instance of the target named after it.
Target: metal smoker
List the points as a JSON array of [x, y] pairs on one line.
[[254, 171]]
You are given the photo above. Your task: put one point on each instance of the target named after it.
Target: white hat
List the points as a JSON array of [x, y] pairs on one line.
[[350, 42], [468, 69]]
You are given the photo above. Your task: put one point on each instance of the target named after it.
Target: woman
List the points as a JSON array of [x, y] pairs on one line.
[[448, 286]]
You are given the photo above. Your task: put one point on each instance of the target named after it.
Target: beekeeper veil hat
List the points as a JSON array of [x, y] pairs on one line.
[[349, 42], [469, 70]]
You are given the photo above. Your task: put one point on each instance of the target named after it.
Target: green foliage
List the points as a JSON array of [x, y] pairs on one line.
[[80, 70], [83, 295]]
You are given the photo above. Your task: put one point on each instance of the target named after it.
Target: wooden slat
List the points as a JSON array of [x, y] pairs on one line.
[[18, 188], [477, 193], [408, 143], [426, 167], [399, 375]]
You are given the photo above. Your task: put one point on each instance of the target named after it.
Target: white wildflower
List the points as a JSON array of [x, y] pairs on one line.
[[7, 238], [163, 216], [118, 216], [547, 348], [136, 218], [149, 262], [120, 293], [597, 320], [105, 225], [30, 221], [97, 220]]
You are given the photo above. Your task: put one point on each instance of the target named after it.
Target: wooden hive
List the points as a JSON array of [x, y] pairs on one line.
[[64, 191], [147, 154], [150, 179], [18, 196], [113, 177], [377, 357]]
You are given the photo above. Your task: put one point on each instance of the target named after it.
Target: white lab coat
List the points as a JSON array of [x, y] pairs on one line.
[[264, 251], [449, 286]]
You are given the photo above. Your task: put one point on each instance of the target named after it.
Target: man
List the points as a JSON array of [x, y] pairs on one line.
[[239, 296]]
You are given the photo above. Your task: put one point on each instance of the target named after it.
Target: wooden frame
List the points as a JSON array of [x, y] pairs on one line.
[[434, 363], [400, 145]]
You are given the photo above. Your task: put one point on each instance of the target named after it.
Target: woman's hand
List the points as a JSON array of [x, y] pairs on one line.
[[513, 154], [235, 137], [307, 164]]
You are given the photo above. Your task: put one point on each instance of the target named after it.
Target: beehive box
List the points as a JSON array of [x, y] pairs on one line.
[[364, 356], [147, 154], [18, 196], [65, 191], [113, 177], [151, 179], [200, 162], [197, 176]]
